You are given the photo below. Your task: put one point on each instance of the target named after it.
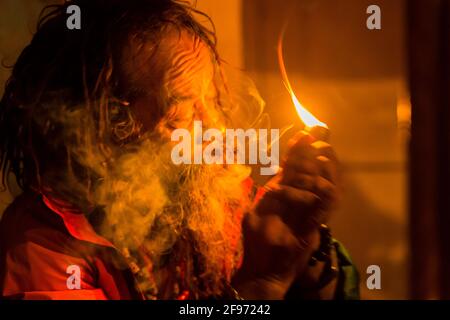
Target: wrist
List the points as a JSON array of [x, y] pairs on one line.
[[320, 277]]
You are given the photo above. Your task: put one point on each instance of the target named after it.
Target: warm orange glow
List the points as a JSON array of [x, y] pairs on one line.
[[307, 117]]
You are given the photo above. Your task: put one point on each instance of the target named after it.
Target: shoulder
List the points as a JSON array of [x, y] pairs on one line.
[[37, 253], [28, 221], [41, 259]]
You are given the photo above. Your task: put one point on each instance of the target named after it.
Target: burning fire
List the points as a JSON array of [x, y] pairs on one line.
[[307, 117]]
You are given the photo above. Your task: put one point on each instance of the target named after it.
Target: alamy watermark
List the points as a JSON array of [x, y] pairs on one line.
[[73, 282], [373, 281], [228, 146], [374, 20]]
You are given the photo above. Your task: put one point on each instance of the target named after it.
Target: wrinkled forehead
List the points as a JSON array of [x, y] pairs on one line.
[[179, 63]]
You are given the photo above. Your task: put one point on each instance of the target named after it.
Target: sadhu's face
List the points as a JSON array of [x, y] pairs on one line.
[[173, 80], [172, 84]]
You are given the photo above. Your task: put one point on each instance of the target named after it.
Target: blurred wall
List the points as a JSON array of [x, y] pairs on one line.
[[227, 18], [429, 74]]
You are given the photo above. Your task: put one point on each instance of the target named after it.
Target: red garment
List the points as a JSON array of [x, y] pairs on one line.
[[38, 246]]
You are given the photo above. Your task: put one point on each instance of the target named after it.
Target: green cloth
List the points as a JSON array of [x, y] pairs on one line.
[[348, 282]]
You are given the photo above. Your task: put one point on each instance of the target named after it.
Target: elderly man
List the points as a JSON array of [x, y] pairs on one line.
[[85, 128]]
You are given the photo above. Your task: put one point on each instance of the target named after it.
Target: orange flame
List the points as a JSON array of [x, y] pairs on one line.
[[307, 117]]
